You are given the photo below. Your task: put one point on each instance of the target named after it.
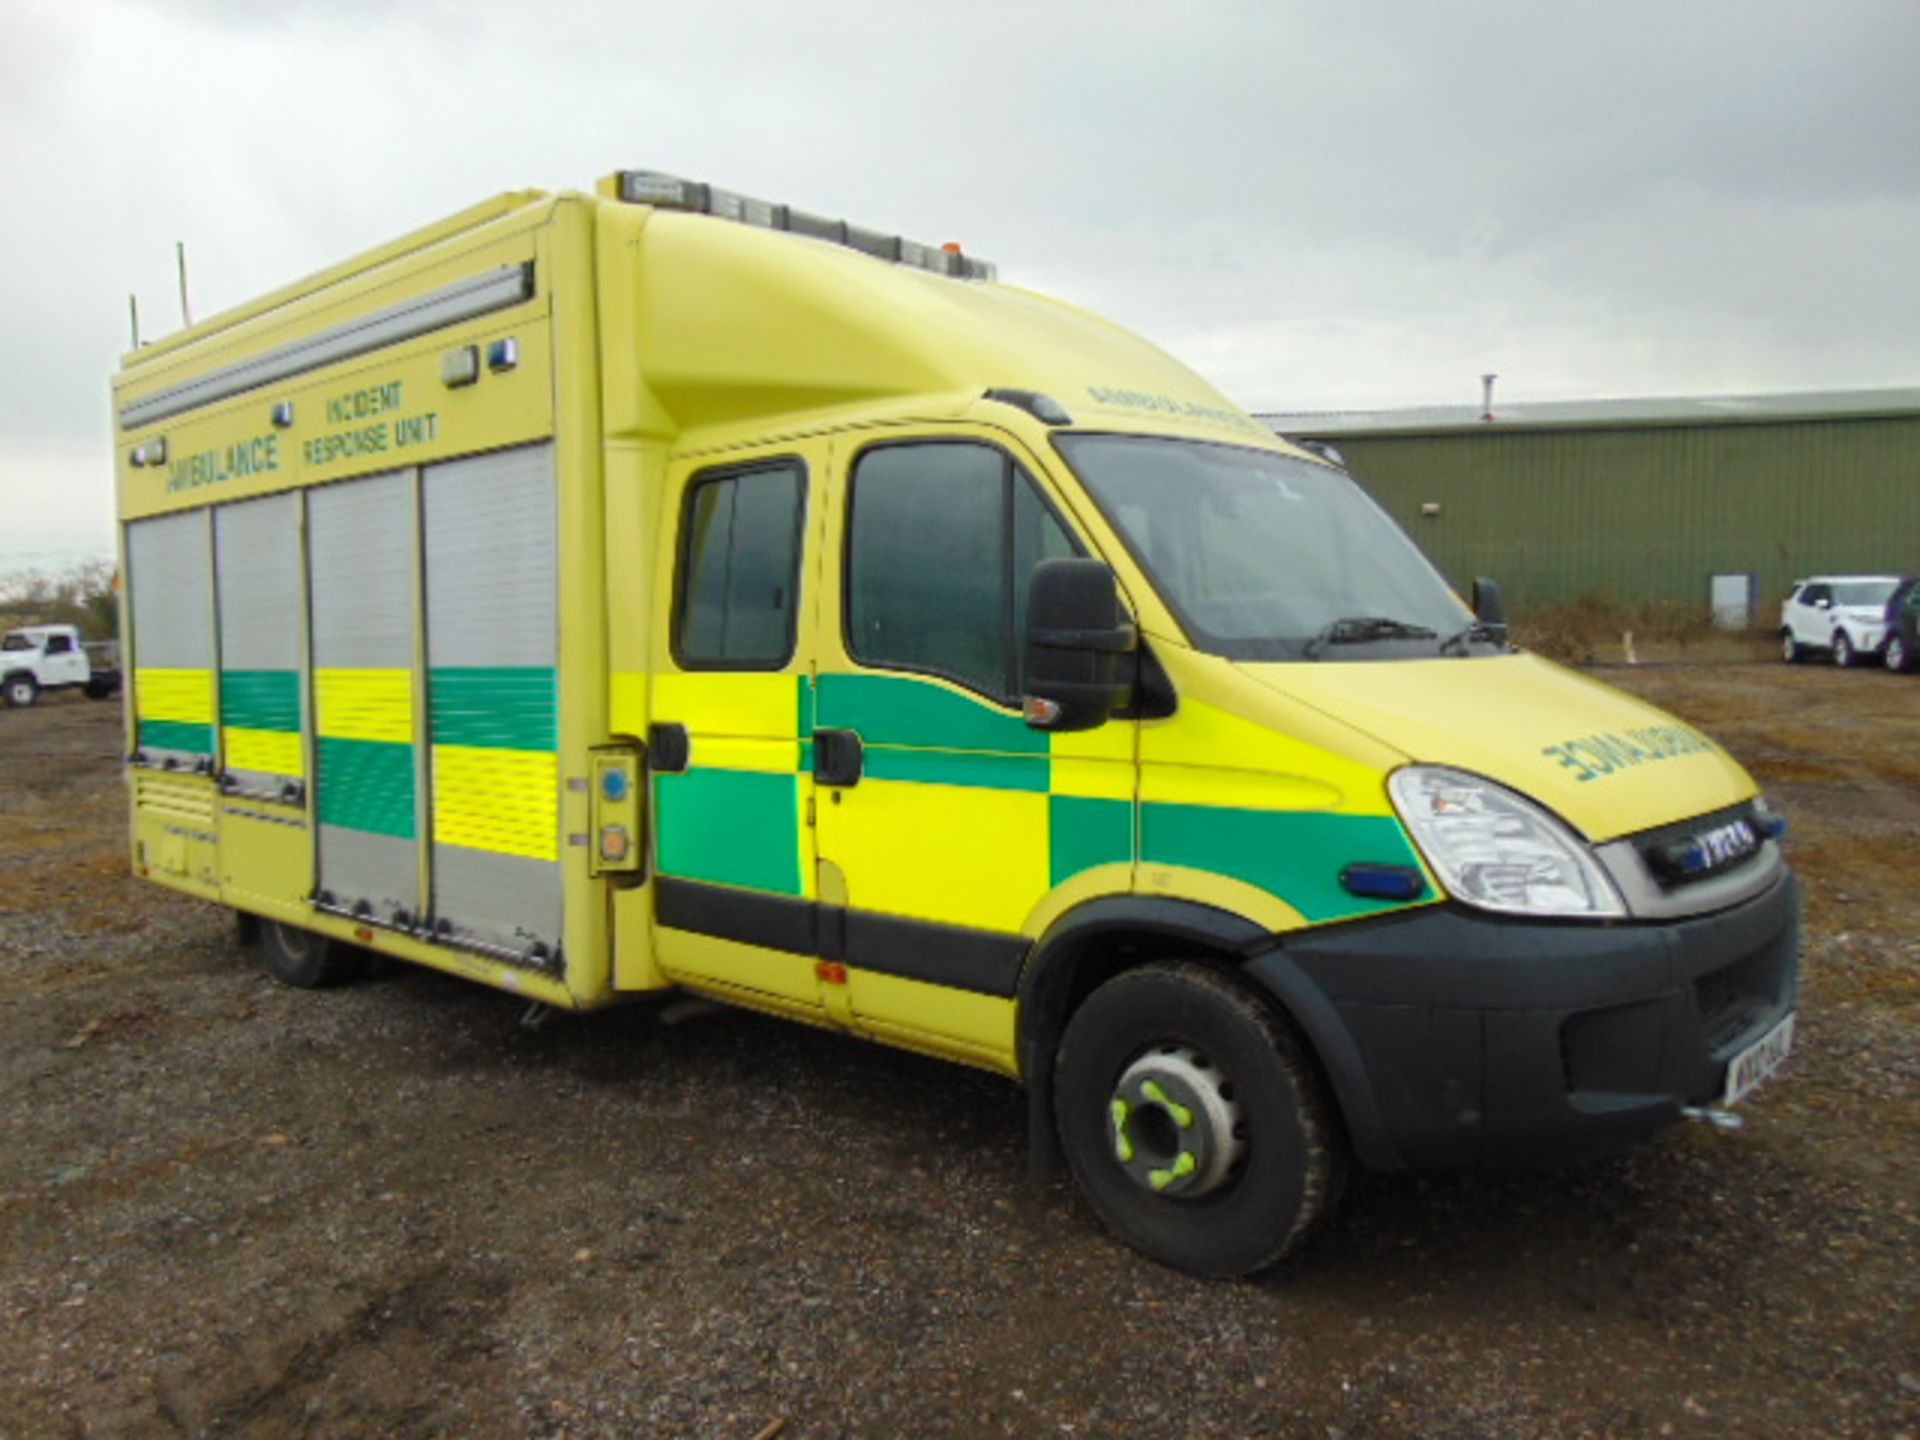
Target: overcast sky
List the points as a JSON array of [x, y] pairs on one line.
[[1316, 204]]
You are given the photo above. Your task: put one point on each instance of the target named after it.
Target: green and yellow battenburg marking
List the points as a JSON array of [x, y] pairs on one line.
[[496, 767], [260, 721], [174, 709], [1039, 806], [365, 728], [733, 816]]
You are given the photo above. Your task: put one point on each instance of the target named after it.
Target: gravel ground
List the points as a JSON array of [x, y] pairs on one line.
[[229, 1209]]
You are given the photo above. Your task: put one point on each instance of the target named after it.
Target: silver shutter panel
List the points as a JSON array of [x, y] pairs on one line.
[[257, 550], [361, 562], [170, 591], [492, 654]]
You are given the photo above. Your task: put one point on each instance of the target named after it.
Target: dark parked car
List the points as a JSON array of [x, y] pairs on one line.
[[1902, 647]]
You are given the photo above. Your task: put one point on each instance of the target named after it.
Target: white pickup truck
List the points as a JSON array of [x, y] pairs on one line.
[[48, 657]]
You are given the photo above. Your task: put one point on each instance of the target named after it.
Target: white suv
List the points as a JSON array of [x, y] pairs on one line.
[[1846, 614]]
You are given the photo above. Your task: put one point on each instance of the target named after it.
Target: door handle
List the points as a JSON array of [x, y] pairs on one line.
[[837, 757], [668, 748]]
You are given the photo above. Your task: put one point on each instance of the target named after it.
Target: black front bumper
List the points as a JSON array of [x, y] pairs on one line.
[[1453, 1038]]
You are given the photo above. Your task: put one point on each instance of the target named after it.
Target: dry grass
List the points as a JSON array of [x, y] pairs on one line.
[[1593, 629]]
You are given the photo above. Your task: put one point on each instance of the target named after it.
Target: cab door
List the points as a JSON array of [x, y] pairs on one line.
[[733, 854], [944, 821], [65, 662]]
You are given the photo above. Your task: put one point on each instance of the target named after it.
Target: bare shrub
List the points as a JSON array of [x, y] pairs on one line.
[[85, 594]]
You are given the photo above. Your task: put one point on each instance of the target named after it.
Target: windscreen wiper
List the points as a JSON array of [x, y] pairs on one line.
[[1362, 630], [1457, 643]]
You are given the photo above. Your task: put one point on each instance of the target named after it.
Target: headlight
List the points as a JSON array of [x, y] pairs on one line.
[[1495, 850]]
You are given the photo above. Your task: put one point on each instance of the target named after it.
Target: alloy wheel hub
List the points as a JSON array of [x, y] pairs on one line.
[[1174, 1124]]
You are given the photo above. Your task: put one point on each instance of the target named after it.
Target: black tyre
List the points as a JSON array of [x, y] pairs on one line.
[[1791, 650], [19, 691], [1844, 655], [305, 960], [1194, 1121], [1899, 657]]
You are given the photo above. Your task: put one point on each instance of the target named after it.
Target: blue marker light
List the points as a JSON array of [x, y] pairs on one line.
[[613, 785], [1383, 882]]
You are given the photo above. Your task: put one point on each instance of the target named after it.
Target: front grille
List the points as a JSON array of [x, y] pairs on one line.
[[1656, 847]]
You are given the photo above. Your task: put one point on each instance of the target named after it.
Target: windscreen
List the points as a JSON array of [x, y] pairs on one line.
[[1267, 557]]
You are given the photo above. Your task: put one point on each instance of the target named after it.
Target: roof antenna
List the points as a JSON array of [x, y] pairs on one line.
[[1486, 394], [180, 254], [133, 313]]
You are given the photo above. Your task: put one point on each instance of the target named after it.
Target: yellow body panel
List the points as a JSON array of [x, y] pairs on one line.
[[729, 704], [176, 836], [947, 853], [975, 1029], [1607, 762], [627, 704], [376, 412], [261, 845], [771, 975], [1205, 750], [771, 757], [1222, 892]]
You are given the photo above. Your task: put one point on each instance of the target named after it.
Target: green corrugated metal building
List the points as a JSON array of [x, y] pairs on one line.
[[1646, 500]]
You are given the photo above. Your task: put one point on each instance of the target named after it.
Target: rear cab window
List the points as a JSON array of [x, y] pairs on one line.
[[736, 597]]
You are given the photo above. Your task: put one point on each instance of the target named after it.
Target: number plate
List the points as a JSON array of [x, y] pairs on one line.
[[1759, 1060]]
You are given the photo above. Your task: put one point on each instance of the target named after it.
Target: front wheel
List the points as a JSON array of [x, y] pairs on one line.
[[304, 960], [1898, 656], [1844, 655], [1194, 1121], [1791, 650], [20, 691]]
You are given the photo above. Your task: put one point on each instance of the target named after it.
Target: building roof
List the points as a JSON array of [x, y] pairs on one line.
[[1604, 414]]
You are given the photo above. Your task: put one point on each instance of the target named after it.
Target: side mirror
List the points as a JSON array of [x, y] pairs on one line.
[[1488, 608], [1823, 603], [1079, 646]]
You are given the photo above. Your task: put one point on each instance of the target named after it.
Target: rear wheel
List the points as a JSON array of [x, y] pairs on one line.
[[20, 691], [1844, 655], [1194, 1121], [305, 960], [1898, 656], [1791, 650]]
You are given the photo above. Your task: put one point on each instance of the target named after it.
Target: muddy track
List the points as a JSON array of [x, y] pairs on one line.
[[231, 1210]]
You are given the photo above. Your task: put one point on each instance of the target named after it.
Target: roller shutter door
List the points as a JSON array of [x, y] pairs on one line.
[[170, 590], [257, 573], [362, 549], [492, 653]]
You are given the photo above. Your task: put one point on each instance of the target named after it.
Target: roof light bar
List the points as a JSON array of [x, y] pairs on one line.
[[670, 192]]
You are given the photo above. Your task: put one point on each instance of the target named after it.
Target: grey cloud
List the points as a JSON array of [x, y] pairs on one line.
[[1310, 201]]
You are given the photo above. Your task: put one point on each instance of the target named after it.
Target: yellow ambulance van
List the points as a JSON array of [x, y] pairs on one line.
[[595, 595]]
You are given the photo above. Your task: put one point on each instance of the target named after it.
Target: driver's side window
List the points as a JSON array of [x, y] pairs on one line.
[[941, 537]]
